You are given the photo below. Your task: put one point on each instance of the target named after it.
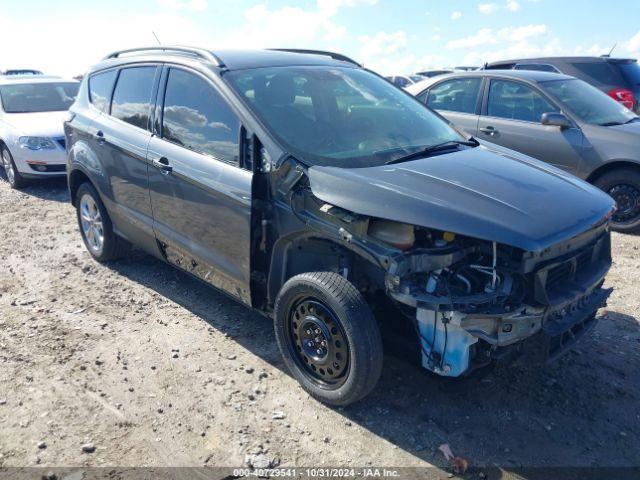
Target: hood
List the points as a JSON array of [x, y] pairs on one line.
[[37, 124], [478, 192], [630, 128]]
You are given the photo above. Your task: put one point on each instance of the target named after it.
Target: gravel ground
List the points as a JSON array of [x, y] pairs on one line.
[[154, 369]]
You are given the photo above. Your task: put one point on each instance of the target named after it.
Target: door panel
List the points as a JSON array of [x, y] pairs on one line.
[[512, 120], [202, 215], [201, 199]]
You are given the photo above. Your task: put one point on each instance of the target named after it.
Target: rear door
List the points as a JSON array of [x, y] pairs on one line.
[[511, 118], [121, 139], [457, 100], [201, 198]]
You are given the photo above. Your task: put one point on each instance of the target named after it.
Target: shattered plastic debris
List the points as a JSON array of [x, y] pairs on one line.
[[458, 464], [446, 451]]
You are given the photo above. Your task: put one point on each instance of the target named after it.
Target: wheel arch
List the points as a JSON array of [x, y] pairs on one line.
[[76, 178], [310, 251], [611, 166]]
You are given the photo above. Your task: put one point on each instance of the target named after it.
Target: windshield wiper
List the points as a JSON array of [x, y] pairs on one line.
[[631, 120], [438, 147]]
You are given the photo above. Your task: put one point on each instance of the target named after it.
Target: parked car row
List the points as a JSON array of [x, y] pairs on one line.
[[617, 77], [552, 117], [403, 81], [315, 192]]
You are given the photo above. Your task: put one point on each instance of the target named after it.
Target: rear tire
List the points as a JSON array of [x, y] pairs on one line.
[[14, 178], [328, 337], [624, 186], [95, 226]]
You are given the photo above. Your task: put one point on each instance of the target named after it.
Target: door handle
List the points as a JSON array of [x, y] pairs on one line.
[[489, 130], [162, 164], [99, 136]]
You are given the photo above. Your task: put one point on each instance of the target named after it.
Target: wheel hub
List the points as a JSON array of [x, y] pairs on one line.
[[91, 223], [315, 338], [319, 342], [627, 199]]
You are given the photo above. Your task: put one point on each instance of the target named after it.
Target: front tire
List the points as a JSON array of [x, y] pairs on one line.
[[95, 226], [624, 187], [328, 337], [13, 175]]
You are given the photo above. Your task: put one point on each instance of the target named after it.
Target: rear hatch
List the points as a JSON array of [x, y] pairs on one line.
[[630, 71], [617, 77]]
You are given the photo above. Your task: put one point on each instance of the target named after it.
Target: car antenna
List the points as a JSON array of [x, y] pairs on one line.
[[156, 37], [611, 51]]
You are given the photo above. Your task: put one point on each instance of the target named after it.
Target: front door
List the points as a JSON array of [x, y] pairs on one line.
[[200, 197], [512, 119]]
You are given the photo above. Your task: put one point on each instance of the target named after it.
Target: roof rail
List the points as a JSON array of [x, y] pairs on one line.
[[335, 56], [197, 52]]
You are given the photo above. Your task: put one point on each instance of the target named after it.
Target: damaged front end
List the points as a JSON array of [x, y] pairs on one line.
[[477, 301], [487, 254]]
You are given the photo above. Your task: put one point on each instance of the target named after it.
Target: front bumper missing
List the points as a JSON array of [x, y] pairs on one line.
[[544, 334]]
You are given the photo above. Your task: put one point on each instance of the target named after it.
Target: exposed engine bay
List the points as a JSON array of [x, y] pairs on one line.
[[476, 301]]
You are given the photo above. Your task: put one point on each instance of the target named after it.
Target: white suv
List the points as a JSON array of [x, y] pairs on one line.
[[32, 109]]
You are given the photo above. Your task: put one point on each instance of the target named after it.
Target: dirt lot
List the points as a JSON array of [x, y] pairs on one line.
[[155, 369]]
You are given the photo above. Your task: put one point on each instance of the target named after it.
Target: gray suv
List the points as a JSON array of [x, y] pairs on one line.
[[322, 196], [552, 117]]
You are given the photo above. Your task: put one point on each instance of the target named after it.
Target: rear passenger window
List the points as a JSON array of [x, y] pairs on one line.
[[516, 101], [100, 87], [196, 117], [459, 95], [132, 97]]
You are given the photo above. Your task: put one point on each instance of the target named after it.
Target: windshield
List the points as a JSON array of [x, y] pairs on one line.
[[38, 97], [588, 103], [339, 116]]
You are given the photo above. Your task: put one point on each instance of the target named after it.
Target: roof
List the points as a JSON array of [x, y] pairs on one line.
[[551, 60], [228, 59], [18, 79], [527, 75]]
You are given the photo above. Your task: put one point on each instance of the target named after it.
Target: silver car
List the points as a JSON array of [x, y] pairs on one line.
[[32, 109], [552, 117]]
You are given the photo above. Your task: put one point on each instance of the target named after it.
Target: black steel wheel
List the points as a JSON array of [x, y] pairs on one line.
[[328, 337], [627, 199], [623, 185], [318, 342]]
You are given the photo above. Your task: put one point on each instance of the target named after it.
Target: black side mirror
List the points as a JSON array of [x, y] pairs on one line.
[[555, 119]]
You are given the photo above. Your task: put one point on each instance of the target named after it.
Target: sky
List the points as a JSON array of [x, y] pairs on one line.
[[65, 37]]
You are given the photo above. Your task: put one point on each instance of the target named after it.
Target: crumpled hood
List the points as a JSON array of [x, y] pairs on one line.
[[491, 194], [37, 124]]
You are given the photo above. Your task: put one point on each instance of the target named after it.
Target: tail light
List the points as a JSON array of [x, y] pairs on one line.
[[623, 96]]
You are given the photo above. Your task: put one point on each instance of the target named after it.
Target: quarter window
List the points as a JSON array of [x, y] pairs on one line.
[[459, 95], [132, 97], [195, 116], [516, 101], [100, 87]]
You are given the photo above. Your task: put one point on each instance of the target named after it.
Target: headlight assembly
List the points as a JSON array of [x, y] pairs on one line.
[[36, 143]]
